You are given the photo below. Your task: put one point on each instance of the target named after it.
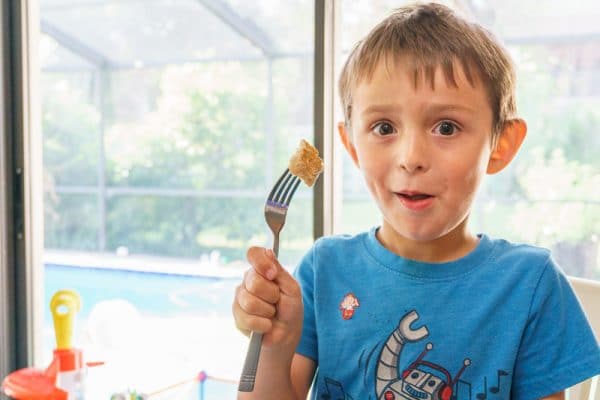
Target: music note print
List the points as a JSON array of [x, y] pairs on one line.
[[483, 396], [463, 391], [500, 373]]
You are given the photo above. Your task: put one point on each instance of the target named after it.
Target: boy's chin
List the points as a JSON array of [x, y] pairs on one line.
[[405, 233], [424, 235]]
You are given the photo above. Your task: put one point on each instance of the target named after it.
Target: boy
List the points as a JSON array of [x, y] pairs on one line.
[[420, 308]]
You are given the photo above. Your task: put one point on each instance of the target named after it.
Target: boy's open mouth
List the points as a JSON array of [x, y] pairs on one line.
[[414, 196], [415, 201]]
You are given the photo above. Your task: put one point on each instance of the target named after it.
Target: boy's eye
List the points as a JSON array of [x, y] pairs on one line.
[[446, 128], [384, 128]]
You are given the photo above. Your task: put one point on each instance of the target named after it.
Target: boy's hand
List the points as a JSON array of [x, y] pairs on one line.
[[269, 300]]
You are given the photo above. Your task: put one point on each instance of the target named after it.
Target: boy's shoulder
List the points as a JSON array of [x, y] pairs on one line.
[[522, 258], [498, 254], [340, 242], [502, 248], [338, 247], [507, 250], [341, 239]]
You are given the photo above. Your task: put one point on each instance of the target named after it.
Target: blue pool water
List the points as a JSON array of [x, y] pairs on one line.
[[151, 293], [154, 294]]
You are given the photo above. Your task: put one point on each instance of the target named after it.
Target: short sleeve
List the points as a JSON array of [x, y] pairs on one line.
[[305, 275], [558, 348]]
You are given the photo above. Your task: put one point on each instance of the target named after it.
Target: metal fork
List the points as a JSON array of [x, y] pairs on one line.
[[276, 208]]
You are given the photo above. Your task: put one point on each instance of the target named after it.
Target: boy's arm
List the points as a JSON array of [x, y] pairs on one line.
[[556, 396], [277, 381], [303, 372], [269, 300]]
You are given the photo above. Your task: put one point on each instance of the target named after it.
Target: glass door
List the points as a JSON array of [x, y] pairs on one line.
[[164, 124]]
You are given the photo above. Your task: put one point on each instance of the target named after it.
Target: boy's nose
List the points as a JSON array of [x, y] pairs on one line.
[[413, 153]]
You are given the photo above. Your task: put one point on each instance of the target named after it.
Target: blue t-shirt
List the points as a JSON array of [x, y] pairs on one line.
[[500, 323]]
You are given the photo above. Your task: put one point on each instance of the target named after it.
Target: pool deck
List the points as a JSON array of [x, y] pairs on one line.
[[206, 266]]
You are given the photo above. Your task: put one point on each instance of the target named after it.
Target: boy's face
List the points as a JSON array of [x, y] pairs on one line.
[[423, 151]]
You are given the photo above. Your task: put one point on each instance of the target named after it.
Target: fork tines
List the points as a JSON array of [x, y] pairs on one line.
[[284, 189]]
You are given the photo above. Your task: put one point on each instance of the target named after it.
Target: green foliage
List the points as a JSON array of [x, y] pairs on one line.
[[71, 134], [562, 200], [71, 222], [172, 226], [205, 139], [219, 145]]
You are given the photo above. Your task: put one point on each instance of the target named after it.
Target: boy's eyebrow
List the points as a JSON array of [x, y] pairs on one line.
[[435, 108], [449, 107], [380, 108]]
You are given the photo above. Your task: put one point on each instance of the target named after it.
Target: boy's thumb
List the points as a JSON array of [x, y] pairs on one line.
[[266, 264], [262, 262], [287, 284]]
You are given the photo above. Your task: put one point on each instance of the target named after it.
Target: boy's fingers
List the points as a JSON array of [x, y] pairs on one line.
[[287, 284], [237, 314], [246, 322], [261, 287], [264, 262], [254, 305]]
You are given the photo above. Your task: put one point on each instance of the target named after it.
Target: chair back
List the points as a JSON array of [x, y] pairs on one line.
[[588, 293]]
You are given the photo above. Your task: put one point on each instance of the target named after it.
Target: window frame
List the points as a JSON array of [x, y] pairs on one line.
[[327, 189], [21, 239]]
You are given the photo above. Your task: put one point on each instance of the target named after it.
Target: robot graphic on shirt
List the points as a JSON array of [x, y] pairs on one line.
[[421, 380]]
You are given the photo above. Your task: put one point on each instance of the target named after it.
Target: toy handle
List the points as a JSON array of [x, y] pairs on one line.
[[63, 305]]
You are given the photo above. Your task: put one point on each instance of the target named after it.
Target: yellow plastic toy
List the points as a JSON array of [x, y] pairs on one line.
[[64, 378], [64, 305]]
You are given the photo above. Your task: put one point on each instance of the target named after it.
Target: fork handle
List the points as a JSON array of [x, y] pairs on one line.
[[276, 244], [251, 363]]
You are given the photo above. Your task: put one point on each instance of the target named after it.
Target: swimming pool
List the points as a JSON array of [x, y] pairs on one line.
[[150, 292], [189, 314]]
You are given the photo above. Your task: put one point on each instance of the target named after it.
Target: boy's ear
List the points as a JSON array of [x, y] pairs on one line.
[[347, 142], [508, 143]]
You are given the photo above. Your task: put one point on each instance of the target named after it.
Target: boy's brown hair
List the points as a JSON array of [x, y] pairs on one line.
[[433, 36]]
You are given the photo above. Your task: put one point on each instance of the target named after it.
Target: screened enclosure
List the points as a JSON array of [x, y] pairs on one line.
[[165, 122], [164, 125]]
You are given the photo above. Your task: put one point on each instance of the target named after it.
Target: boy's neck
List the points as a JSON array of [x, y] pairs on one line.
[[454, 245]]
